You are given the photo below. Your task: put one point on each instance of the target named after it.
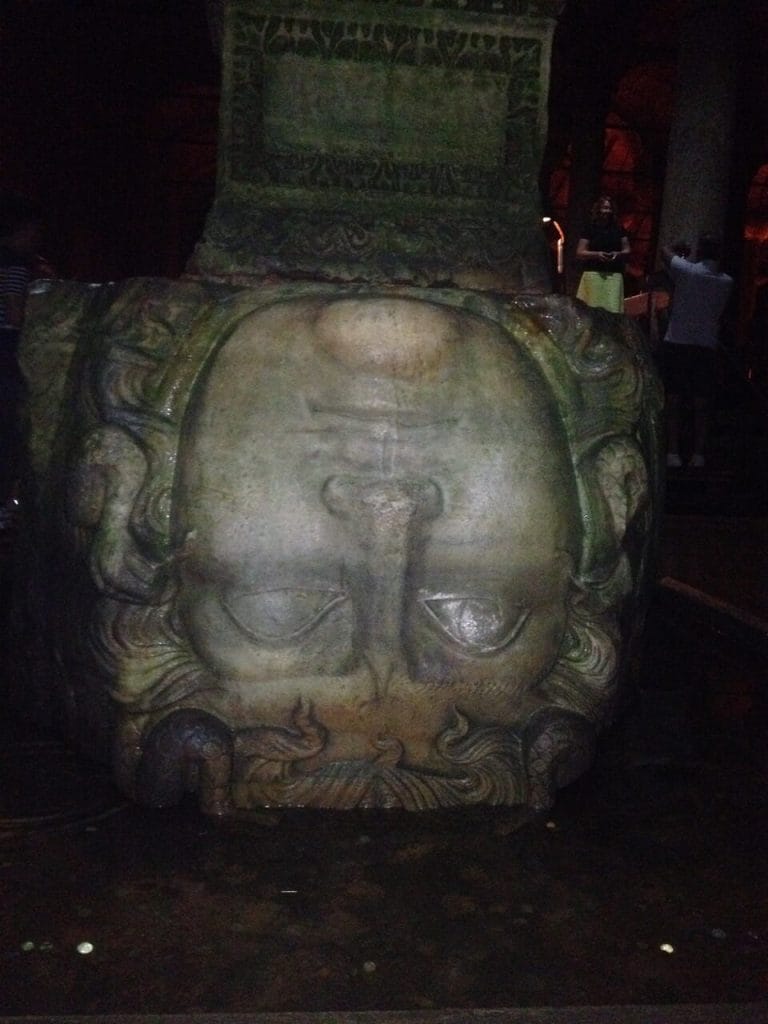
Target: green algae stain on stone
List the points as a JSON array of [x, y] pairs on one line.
[[384, 141]]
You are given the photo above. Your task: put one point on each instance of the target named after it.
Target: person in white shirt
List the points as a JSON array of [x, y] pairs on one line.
[[701, 292]]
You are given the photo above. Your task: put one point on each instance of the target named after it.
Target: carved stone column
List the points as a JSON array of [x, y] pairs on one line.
[[701, 142], [389, 141]]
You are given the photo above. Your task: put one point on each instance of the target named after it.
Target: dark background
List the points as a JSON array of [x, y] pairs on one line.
[[109, 120]]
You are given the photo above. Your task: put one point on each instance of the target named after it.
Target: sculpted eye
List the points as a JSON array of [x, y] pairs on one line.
[[483, 625], [280, 615]]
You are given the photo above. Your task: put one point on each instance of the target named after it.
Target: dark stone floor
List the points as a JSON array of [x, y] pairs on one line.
[[645, 885]]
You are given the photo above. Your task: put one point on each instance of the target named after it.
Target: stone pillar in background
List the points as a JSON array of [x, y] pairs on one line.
[[701, 141]]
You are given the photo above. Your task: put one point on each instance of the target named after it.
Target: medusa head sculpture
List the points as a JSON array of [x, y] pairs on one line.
[[339, 547]]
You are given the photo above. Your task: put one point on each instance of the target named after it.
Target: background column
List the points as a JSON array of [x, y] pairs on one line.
[[701, 140]]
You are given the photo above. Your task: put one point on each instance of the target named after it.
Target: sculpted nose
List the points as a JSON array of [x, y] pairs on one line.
[[382, 633], [383, 514]]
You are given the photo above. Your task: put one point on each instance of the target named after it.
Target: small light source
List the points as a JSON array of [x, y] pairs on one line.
[[560, 240], [84, 948], [667, 947]]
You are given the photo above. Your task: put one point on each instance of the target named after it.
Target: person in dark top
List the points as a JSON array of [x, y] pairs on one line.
[[603, 250], [19, 237]]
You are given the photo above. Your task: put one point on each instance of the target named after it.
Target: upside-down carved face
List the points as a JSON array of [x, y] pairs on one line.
[[377, 533]]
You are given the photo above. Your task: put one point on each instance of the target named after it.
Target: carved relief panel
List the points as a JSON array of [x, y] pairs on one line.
[[383, 141]]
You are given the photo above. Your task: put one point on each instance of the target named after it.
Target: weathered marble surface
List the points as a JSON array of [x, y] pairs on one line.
[[395, 140], [310, 545]]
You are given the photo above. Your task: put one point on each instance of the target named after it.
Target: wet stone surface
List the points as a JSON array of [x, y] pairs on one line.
[[646, 884]]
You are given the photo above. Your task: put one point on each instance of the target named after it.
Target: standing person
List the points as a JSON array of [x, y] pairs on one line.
[[603, 249], [701, 292], [19, 238]]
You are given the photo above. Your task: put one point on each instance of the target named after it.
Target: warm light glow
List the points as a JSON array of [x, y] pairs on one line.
[[560, 240], [756, 231], [555, 225]]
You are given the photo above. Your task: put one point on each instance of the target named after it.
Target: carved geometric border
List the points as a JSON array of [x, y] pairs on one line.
[[513, 51], [370, 211]]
